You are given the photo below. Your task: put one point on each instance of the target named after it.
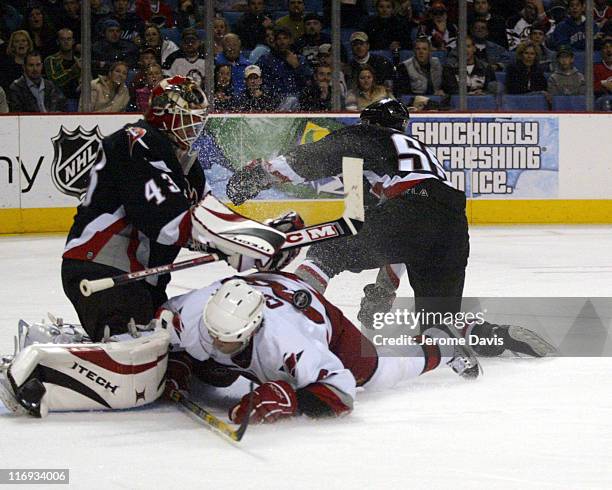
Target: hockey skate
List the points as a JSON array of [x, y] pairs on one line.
[[517, 340], [464, 361]]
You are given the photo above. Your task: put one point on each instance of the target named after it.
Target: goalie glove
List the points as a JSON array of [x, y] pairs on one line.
[[271, 401], [247, 182]]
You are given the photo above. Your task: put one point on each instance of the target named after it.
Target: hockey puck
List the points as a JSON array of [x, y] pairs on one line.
[[301, 299]]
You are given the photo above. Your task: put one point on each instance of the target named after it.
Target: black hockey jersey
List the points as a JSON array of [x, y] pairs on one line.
[[135, 214], [393, 161]]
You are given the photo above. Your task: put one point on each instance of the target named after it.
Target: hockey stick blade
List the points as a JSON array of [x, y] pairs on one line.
[[215, 423]]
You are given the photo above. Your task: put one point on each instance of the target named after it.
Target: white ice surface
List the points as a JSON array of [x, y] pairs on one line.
[[524, 424]]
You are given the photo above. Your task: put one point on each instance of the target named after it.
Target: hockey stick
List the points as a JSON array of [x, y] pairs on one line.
[[347, 225], [212, 421]]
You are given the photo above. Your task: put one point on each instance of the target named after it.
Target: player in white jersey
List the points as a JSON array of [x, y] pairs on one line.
[[306, 356]]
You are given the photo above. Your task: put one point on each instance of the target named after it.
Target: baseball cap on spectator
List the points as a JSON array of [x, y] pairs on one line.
[[252, 70], [437, 7], [359, 37], [325, 48], [282, 30], [541, 25], [312, 16], [565, 51], [189, 33], [108, 23]]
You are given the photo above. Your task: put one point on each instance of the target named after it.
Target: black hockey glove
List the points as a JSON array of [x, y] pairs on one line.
[[247, 183]]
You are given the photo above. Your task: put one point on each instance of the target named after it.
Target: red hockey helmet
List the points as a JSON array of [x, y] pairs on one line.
[[178, 106]]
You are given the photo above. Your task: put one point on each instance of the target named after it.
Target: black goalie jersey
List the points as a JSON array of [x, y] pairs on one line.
[[135, 214], [393, 161]]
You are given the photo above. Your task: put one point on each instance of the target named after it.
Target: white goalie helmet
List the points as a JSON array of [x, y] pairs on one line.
[[234, 312]]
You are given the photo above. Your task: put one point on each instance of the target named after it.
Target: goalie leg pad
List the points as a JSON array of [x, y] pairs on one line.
[[100, 376]]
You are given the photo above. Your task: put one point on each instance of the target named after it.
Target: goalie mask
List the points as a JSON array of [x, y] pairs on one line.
[[179, 107]]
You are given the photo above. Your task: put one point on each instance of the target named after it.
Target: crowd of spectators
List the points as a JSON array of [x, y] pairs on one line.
[[276, 55]]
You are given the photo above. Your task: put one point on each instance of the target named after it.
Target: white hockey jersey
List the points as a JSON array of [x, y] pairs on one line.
[[292, 344]]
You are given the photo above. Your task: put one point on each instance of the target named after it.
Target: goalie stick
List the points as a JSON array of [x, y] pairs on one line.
[[348, 224], [212, 421]]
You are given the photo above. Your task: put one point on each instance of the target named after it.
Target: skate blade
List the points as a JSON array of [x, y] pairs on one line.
[[8, 399], [540, 346]]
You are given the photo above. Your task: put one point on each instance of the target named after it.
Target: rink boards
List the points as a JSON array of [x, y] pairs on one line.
[[515, 168]]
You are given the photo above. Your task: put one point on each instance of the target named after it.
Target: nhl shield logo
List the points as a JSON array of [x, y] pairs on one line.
[[75, 152]]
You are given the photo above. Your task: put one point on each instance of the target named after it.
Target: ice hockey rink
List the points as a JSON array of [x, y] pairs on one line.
[[526, 423]]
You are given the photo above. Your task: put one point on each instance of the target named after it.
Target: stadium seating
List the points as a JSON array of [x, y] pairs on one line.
[[476, 102], [524, 103], [569, 103]]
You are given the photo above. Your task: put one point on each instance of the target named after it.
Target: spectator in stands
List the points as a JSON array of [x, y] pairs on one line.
[[112, 48], [188, 61], [572, 30], [317, 96], [486, 50], [156, 11], [537, 35], [496, 24], [366, 90], [602, 72], [33, 93], [294, 21], [4, 108], [232, 57], [520, 25], [382, 67], [252, 23], [284, 73], [40, 30], [64, 68], [189, 15], [99, 11], [224, 97], [154, 76], [129, 22], [566, 79], [525, 76], [385, 30], [308, 44], [421, 74], [70, 18], [10, 18], [325, 59], [264, 45], [11, 62], [220, 29], [441, 33], [255, 98], [163, 47], [602, 12], [145, 60], [480, 76], [109, 92]]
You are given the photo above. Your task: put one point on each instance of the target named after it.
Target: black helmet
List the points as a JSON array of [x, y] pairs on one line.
[[390, 113]]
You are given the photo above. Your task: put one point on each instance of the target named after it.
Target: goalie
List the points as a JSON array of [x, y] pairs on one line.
[[147, 198]]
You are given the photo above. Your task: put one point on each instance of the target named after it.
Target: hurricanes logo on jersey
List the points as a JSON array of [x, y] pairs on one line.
[[290, 363], [74, 153]]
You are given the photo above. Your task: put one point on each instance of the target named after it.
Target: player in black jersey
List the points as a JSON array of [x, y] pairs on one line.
[[414, 216], [147, 198]]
